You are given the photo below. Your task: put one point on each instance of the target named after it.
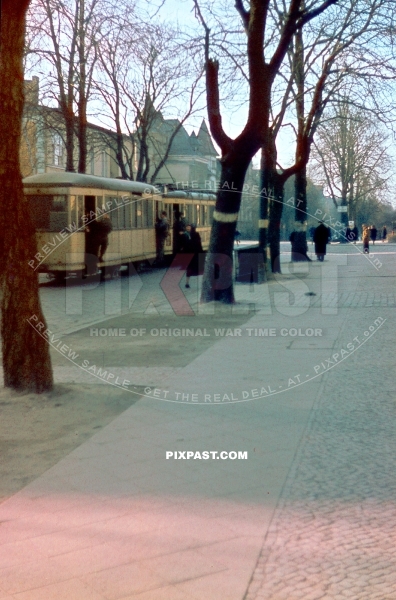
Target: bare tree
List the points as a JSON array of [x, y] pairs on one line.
[[67, 50], [329, 52], [351, 159], [237, 153], [144, 72], [26, 359]]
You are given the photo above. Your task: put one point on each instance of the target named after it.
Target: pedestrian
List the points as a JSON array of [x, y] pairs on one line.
[[192, 244], [384, 233], [103, 228], [366, 238], [179, 228], [373, 233], [161, 235], [97, 241], [321, 239]]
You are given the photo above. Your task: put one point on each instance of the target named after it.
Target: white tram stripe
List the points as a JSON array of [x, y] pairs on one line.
[[263, 223], [225, 217]]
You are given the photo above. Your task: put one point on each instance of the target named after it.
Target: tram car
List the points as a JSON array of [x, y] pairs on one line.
[[63, 204]]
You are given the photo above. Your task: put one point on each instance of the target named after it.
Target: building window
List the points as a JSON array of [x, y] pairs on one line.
[[57, 143], [92, 161], [104, 163]]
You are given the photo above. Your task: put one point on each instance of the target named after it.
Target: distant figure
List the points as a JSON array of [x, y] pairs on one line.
[[321, 238], [237, 236], [366, 238], [384, 233], [373, 233], [161, 235], [311, 233], [192, 245], [179, 228]]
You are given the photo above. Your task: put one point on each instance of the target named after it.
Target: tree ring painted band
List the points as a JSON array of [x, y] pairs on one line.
[[263, 223], [225, 217]]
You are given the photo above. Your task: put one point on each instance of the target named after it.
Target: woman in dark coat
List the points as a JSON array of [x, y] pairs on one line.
[[192, 245], [321, 238]]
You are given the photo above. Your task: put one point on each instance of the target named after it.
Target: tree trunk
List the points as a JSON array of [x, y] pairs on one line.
[[265, 187], [26, 359], [82, 98], [299, 244], [82, 134], [69, 124], [276, 209], [218, 281]]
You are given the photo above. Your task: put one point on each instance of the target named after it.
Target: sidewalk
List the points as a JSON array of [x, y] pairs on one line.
[[294, 380]]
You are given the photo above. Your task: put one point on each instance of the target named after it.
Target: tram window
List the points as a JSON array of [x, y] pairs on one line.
[[80, 210], [127, 208], [113, 211], [205, 216], [133, 213], [150, 213], [121, 217], [144, 213], [49, 212], [59, 213], [139, 213], [40, 211], [59, 204], [73, 209]]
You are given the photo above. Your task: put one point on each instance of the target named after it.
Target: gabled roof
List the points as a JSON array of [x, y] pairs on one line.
[[184, 144], [205, 141]]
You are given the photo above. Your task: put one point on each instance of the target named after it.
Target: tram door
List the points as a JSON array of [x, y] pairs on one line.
[[90, 249]]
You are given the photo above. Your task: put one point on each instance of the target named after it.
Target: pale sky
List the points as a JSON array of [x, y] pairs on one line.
[[233, 122]]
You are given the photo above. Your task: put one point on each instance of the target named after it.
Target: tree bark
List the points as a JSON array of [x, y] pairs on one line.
[[218, 280], [82, 96], [276, 209], [26, 359]]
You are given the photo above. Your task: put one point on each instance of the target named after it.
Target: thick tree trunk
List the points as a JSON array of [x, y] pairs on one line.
[[26, 359], [265, 187], [218, 281], [299, 244], [82, 98], [69, 124], [82, 135], [276, 209]]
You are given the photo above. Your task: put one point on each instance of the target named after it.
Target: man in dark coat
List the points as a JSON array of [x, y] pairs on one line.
[[192, 244], [179, 228], [321, 238], [373, 233], [100, 229], [161, 234]]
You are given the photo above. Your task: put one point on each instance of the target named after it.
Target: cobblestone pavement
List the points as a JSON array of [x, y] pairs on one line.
[[317, 285], [333, 535]]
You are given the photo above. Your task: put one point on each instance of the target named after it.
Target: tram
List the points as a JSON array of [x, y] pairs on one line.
[[62, 205]]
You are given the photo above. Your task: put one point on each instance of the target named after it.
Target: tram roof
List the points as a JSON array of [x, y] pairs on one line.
[[177, 194], [67, 179]]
